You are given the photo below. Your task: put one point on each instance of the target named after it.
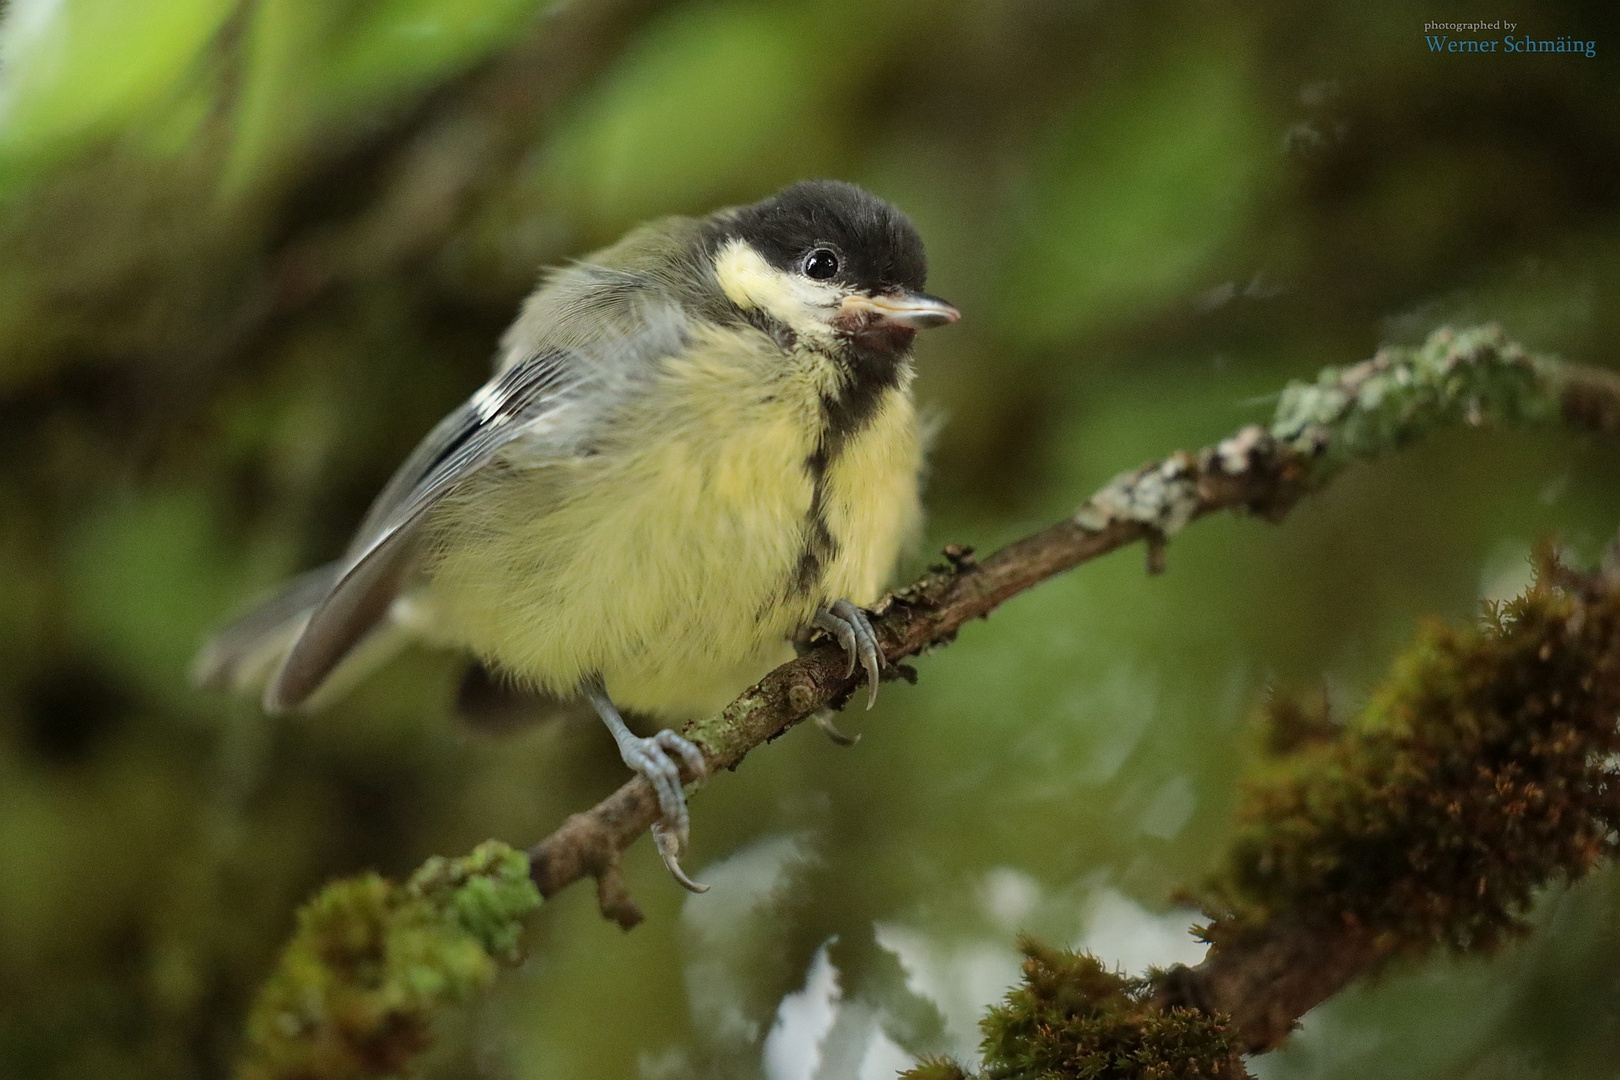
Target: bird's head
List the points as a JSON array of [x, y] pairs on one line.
[[834, 264]]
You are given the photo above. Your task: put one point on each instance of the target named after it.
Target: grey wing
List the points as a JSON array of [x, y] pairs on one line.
[[519, 400], [526, 398]]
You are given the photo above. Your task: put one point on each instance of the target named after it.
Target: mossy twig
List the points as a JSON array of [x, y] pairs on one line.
[[1478, 774], [372, 962]]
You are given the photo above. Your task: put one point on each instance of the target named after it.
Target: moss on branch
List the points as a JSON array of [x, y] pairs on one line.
[[372, 962], [1479, 773], [1072, 1017]]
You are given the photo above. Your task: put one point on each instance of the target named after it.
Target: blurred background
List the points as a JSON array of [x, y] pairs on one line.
[[250, 251]]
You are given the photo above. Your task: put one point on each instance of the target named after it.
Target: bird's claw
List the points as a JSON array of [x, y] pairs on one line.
[[824, 720], [670, 845], [851, 628], [651, 757]]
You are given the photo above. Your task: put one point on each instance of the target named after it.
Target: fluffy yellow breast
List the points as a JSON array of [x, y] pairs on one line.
[[666, 560], [871, 499]]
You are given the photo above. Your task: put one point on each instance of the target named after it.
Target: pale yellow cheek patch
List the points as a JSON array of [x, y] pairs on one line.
[[750, 282], [746, 278]]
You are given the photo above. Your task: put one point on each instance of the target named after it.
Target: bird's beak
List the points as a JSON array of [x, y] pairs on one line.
[[910, 311]]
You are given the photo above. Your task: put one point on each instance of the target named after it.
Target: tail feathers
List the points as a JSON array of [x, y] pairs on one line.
[[245, 656]]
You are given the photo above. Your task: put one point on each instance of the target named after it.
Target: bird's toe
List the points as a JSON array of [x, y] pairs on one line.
[[652, 758], [851, 627]]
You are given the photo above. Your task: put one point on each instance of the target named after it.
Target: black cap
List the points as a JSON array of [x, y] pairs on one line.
[[878, 248]]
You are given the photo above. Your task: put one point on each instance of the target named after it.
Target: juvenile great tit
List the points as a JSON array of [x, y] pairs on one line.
[[698, 444]]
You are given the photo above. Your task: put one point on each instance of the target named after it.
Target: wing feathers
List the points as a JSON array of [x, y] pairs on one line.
[[381, 558]]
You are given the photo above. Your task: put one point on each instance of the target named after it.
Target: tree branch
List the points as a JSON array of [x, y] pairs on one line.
[[1472, 377]]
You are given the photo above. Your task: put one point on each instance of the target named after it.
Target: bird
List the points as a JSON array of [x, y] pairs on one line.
[[699, 445]]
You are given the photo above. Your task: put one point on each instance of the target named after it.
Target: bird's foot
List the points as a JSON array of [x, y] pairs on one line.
[[651, 758], [852, 629], [654, 758]]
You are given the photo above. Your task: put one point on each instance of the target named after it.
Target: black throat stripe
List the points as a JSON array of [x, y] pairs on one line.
[[819, 546], [843, 417], [871, 375]]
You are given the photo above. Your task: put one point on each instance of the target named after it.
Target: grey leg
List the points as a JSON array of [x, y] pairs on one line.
[[851, 628], [650, 757]]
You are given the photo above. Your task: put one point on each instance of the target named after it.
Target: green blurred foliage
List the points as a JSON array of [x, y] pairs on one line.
[[1152, 215]]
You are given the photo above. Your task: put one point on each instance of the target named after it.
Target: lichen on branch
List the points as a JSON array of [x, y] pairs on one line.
[[1475, 377], [372, 962]]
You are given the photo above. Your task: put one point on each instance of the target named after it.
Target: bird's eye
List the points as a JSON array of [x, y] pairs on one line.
[[820, 264]]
